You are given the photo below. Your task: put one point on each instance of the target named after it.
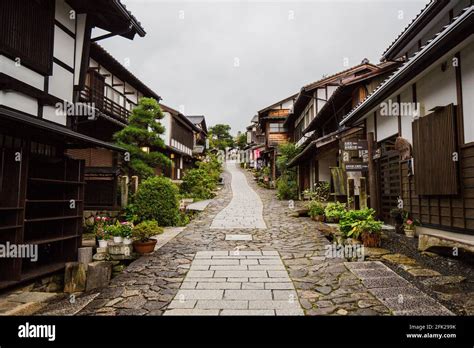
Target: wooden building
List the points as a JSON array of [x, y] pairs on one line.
[[44, 50], [181, 135], [428, 102], [255, 143], [271, 123], [113, 91], [200, 137], [314, 125]]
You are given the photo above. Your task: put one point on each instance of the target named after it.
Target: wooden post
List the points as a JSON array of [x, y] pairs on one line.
[[124, 191], [363, 193], [350, 194], [374, 204]]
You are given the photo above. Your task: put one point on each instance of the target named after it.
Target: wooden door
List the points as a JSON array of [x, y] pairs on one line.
[[389, 179]]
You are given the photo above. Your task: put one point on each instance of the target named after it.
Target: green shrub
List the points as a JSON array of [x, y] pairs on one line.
[[145, 230], [156, 199], [315, 208], [198, 184], [369, 225], [350, 217], [287, 188], [334, 211]]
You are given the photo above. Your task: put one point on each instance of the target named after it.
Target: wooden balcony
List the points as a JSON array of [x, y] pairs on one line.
[[104, 104]]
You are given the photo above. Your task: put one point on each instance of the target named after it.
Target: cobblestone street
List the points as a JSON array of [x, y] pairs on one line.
[[223, 264]]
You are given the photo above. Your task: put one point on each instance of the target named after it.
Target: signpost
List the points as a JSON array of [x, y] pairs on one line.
[[357, 167], [355, 145]]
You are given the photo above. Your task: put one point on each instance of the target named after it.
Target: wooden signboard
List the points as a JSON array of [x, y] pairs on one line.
[[357, 167], [355, 145]]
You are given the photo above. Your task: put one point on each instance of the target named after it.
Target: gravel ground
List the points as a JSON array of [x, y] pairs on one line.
[[457, 297]]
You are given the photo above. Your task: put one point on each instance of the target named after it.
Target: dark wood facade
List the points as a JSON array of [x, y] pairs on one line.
[[41, 186]]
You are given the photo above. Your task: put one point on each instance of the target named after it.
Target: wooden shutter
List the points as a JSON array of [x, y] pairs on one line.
[[434, 143], [27, 32]]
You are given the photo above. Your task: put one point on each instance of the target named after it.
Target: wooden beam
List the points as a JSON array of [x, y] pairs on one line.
[[372, 174]]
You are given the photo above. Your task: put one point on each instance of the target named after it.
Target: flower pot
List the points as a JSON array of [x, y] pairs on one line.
[[409, 232], [118, 240], [103, 243], [371, 240], [145, 247], [127, 241]]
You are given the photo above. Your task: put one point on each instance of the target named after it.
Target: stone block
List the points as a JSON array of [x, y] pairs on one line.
[[120, 249], [84, 255], [75, 277], [98, 275]]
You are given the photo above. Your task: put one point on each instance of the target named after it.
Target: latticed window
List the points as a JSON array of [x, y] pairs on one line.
[[27, 32]]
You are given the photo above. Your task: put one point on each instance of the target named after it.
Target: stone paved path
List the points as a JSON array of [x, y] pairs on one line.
[[245, 210], [167, 280], [236, 283], [395, 292]]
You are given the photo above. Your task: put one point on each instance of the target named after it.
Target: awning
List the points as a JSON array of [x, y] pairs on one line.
[[70, 138]]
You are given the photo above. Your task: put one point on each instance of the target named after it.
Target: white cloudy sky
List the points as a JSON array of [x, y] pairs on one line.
[[228, 59]]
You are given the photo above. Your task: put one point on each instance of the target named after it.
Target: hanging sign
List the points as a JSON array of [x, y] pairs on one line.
[[357, 167], [355, 145]]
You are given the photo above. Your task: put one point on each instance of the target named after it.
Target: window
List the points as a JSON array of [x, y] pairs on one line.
[[277, 128], [27, 31]]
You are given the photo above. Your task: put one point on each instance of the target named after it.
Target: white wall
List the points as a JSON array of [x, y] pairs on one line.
[[407, 97], [467, 70], [19, 102], [50, 113], [63, 15], [61, 83], [321, 94], [437, 88], [324, 167], [166, 122], [63, 47], [386, 125], [19, 72]]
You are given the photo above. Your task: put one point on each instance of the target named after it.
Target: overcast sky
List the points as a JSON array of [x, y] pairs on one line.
[[228, 59]]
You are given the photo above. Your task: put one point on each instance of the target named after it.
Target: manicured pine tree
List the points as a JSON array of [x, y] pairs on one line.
[[141, 138]]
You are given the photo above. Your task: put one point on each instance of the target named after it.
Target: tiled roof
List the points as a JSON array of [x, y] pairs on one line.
[[103, 57], [404, 31], [432, 42]]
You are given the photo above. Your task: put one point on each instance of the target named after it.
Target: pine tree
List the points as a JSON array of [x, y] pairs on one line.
[[141, 138]]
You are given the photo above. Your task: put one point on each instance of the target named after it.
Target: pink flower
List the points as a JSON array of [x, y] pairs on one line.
[[97, 218], [409, 222]]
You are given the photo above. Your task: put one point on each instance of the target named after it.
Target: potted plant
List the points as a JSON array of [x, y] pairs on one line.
[[409, 226], [126, 232], [102, 238], [334, 211], [368, 230], [316, 211], [116, 232], [142, 233], [397, 214], [100, 224]]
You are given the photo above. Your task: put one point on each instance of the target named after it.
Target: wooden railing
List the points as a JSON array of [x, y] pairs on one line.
[[104, 104]]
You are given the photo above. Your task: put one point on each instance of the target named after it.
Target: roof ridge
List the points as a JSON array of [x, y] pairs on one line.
[[401, 67], [342, 72]]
